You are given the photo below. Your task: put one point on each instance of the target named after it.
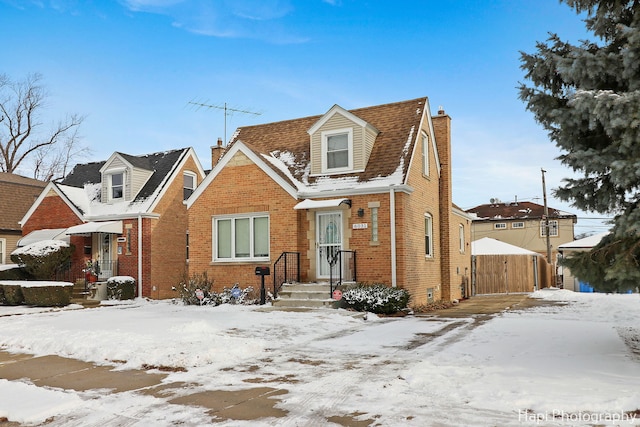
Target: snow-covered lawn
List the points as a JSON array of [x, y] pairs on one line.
[[565, 364]]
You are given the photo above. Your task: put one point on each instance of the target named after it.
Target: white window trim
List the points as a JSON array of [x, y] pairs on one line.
[[3, 251], [500, 226], [425, 154], [109, 175], [461, 237], [555, 230], [195, 181], [519, 225], [325, 135], [429, 232], [233, 258]]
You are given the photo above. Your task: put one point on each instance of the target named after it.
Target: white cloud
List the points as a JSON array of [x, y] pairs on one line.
[[251, 19]]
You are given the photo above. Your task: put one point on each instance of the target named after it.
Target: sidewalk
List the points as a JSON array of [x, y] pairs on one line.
[[489, 305], [71, 374]]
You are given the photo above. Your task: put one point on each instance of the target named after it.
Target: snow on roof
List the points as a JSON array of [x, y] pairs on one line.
[[489, 246], [587, 242], [44, 234], [41, 248]]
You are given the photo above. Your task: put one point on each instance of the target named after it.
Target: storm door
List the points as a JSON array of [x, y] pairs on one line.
[[328, 238], [106, 255]]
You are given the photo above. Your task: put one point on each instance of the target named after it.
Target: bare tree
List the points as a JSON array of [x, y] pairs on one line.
[[22, 138]]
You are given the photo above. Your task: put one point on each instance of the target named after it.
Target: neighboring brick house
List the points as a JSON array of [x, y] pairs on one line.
[[127, 214], [523, 224], [17, 194], [375, 181]]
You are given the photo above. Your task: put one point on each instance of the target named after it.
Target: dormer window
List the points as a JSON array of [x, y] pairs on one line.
[[116, 186], [337, 150]]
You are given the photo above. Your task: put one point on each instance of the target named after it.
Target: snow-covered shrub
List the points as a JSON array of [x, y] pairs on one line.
[[197, 284], [236, 295], [42, 259], [121, 287], [376, 298], [47, 294]]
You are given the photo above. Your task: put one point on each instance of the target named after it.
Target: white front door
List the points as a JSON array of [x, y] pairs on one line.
[[106, 256], [329, 239]]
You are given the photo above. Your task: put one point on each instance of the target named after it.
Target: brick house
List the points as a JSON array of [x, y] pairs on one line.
[[17, 194], [125, 214], [372, 183]]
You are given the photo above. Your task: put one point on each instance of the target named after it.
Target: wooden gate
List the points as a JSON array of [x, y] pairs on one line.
[[499, 274]]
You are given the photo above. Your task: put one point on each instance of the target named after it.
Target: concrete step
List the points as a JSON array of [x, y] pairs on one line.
[[314, 303], [304, 295], [307, 287]]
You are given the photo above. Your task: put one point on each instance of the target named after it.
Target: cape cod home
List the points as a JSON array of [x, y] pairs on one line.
[[359, 195], [17, 194], [125, 216]]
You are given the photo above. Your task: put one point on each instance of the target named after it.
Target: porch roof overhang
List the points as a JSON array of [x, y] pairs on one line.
[[44, 234], [317, 204], [112, 227]]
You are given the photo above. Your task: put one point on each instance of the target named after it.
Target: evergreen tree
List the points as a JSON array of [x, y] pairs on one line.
[[587, 97]]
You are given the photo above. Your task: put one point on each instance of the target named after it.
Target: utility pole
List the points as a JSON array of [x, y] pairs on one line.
[[546, 217], [227, 112]]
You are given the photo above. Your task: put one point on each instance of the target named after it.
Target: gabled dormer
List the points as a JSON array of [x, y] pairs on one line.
[[122, 177], [340, 142]]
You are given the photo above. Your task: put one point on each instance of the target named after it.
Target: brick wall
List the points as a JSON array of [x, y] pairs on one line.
[[53, 212], [241, 187]]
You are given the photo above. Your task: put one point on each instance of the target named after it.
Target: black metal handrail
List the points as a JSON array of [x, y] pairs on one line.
[[342, 266], [286, 269]]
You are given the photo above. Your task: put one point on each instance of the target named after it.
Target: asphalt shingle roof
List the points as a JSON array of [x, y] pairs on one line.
[[397, 122], [515, 210], [161, 164]]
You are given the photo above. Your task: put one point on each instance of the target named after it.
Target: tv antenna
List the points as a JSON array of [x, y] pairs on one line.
[[227, 112]]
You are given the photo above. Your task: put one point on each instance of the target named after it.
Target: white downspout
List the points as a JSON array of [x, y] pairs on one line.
[[392, 207], [139, 256]]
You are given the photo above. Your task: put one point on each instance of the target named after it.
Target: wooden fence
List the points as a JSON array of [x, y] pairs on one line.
[[499, 274]]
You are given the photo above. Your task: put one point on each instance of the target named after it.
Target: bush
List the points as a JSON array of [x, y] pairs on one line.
[[189, 285], [377, 298], [236, 295], [42, 259], [121, 287], [11, 294], [16, 273], [47, 294]]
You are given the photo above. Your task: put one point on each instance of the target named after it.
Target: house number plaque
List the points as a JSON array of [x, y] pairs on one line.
[[360, 226]]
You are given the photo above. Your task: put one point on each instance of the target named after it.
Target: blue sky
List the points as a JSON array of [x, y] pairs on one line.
[[133, 67]]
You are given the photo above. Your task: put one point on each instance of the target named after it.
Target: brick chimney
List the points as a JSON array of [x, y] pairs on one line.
[[216, 152], [442, 130]]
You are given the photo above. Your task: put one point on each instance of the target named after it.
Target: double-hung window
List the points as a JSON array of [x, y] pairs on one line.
[[428, 235], [189, 184], [116, 186], [337, 150], [553, 228], [425, 154], [241, 238]]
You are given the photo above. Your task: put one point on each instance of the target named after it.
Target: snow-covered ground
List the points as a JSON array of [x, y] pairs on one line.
[[568, 364]]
